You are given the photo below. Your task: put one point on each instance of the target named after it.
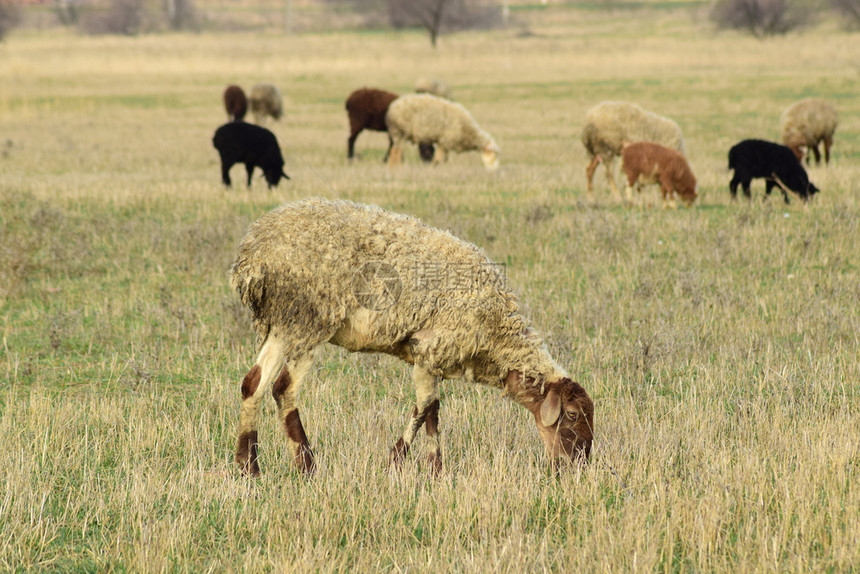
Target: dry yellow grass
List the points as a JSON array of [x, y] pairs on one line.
[[719, 343]]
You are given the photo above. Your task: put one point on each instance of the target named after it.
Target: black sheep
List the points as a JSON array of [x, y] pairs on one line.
[[776, 163], [240, 142]]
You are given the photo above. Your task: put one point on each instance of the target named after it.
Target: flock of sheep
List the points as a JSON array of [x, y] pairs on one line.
[[319, 271], [651, 147]]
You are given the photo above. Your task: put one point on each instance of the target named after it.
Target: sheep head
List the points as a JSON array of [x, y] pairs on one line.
[[565, 420], [688, 196], [564, 415], [274, 174], [490, 156]]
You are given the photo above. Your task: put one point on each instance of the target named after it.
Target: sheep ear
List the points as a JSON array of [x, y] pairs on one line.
[[284, 175], [550, 409]]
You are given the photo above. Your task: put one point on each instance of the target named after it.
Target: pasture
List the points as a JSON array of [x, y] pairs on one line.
[[719, 343]]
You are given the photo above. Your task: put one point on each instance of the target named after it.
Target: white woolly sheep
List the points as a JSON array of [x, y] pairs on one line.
[[807, 123], [609, 125], [648, 162], [265, 100], [434, 87], [317, 271], [428, 119]]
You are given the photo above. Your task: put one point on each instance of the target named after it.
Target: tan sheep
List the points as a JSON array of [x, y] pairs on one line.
[[805, 124], [317, 271], [265, 100], [649, 163], [609, 125], [434, 87], [428, 119]]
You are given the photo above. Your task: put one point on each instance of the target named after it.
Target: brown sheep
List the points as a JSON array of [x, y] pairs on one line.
[[235, 103], [609, 124], [806, 124], [647, 162], [366, 108]]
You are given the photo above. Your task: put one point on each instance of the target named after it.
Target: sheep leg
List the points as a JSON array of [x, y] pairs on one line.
[[225, 172], [814, 150], [589, 173], [431, 425], [426, 401], [350, 145], [258, 379], [284, 391], [668, 195], [440, 155], [609, 164], [395, 156], [249, 167], [746, 187], [828, 143], [388, 151]]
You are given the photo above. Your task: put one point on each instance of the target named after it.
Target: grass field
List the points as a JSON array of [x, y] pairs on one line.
[[719, 343]]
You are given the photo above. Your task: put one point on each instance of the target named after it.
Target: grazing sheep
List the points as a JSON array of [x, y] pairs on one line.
[[609, 125], [317, 271], [235, 103], [238, 142], [807, 123], [647, 162], [434, 87], [776, 163], [265, 101], [423, 118], [366, 108]]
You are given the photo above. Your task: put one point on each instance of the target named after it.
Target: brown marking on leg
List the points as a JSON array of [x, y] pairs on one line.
[[398, 453], [246, 453], [303, 456], [399, 450], [434, 458], [282, 383], [251, 382]]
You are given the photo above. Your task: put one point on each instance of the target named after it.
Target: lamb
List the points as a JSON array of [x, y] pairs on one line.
[[807, 123], [609, 125], [647, 162], [424, 118], [434, 87], [235, 103], [368, 280], [265, 101], [239, 142], [776, 163]]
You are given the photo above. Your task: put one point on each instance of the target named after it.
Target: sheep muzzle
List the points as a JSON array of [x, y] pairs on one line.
[[565, 420]]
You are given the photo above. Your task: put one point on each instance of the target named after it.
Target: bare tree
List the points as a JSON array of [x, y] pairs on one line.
[[761, 18], [848, 8], [436, 16], [10, 16], [180, 14]]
